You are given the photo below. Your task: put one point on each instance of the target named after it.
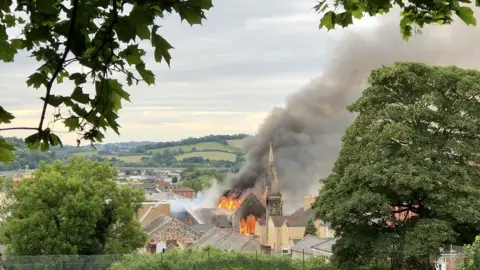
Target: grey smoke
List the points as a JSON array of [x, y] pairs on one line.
[[306, 133]]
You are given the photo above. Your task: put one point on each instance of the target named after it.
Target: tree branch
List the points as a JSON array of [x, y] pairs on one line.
[[18, 128], [60, 64]]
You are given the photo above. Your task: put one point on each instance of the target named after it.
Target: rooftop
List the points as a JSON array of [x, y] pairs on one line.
[[227, 240]]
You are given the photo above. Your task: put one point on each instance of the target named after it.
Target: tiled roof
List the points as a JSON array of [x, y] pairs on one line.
[[278, 220], [261, 222], [160, 221], [325, 246], [183, 189], [300, 218], [202, 228], [305, 245], [227, 240]]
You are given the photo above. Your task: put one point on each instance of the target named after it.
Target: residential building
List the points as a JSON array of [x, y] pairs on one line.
[[312, 246], [228, 240], [183, 191], [167, 231], [151, 211]]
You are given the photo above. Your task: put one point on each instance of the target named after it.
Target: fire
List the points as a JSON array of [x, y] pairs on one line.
[[231, 200], [228, 203], [247, 226]]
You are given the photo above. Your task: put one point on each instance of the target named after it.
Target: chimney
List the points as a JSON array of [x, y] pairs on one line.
[[152, 246]]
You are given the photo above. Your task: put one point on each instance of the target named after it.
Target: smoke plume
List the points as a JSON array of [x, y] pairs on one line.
[[306, 133]]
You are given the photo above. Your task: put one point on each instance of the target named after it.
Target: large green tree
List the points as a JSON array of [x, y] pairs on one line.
[[72, 208], [415, 14], [411, 151], [103, 38]]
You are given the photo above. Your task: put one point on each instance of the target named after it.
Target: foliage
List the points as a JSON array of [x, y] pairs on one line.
[[310, 229], [174, 179], [470, 256], [209, 258], [411, 151], [199, 178], [123, 154], [72, 208], [23, 156], [414, 13], [104, 38]]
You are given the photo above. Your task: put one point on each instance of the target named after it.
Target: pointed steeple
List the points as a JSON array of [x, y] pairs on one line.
[[272, 181]]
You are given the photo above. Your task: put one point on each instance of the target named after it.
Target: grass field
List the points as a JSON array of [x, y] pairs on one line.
[[199, 146], [236, 143], [213, 155], [126, 158]]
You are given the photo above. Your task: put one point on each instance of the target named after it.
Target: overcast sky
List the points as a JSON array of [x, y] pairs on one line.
[[225, 76]]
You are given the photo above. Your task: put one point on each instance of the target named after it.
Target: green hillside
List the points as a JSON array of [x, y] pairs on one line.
[[211, 151]]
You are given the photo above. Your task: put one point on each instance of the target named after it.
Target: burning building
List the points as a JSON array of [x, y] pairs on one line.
[[245, 207]]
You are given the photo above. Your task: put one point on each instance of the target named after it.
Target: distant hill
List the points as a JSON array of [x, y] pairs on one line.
[[212, 150]]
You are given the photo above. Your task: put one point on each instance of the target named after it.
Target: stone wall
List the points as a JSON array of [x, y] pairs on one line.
[[174, 229]]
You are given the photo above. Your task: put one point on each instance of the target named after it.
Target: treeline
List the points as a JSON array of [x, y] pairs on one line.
[[24, 156], [222, 139], [209, 258]]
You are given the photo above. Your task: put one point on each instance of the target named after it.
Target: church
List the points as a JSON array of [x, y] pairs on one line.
[[277, 230]]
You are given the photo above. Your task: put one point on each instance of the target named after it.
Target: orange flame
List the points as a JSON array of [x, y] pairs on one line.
[[247, 227], [228, 203]]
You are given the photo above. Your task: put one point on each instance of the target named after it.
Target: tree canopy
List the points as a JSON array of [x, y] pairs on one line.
[[99, 37], [414, 13], [72, 208], [406, 180]]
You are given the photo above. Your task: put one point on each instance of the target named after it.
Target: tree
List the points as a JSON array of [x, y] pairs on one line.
[[414, 13], [470, 257], [100, 36], [174, 179], [408, 168], [72, 208], [310, 229]]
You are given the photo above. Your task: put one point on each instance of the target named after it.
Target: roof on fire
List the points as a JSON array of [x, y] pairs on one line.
[[227, 240]]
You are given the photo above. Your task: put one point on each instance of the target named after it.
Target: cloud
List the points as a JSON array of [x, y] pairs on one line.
[[224, 76]]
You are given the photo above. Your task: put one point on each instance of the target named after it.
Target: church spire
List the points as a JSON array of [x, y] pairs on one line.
[[272, 181]]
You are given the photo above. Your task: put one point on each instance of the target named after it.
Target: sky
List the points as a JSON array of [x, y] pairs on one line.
[[224, 78]]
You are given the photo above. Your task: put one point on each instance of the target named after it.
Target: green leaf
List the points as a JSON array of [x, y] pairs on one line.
[[467, 16], [142, 31], [203, 4], [328, 21], [125, 29], [17, 44], [118, 89], [79, 96], [37, 79], [9, 20], [33, 141], [357, 14], [344, 19], [5, 117], [162, 47], [321, 6], [147, 75], [7, 52], [190, 14], [55, 140], [79, 78], [72, 123], [47, 6], [54, 100], [6, 151], [133, 55]]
